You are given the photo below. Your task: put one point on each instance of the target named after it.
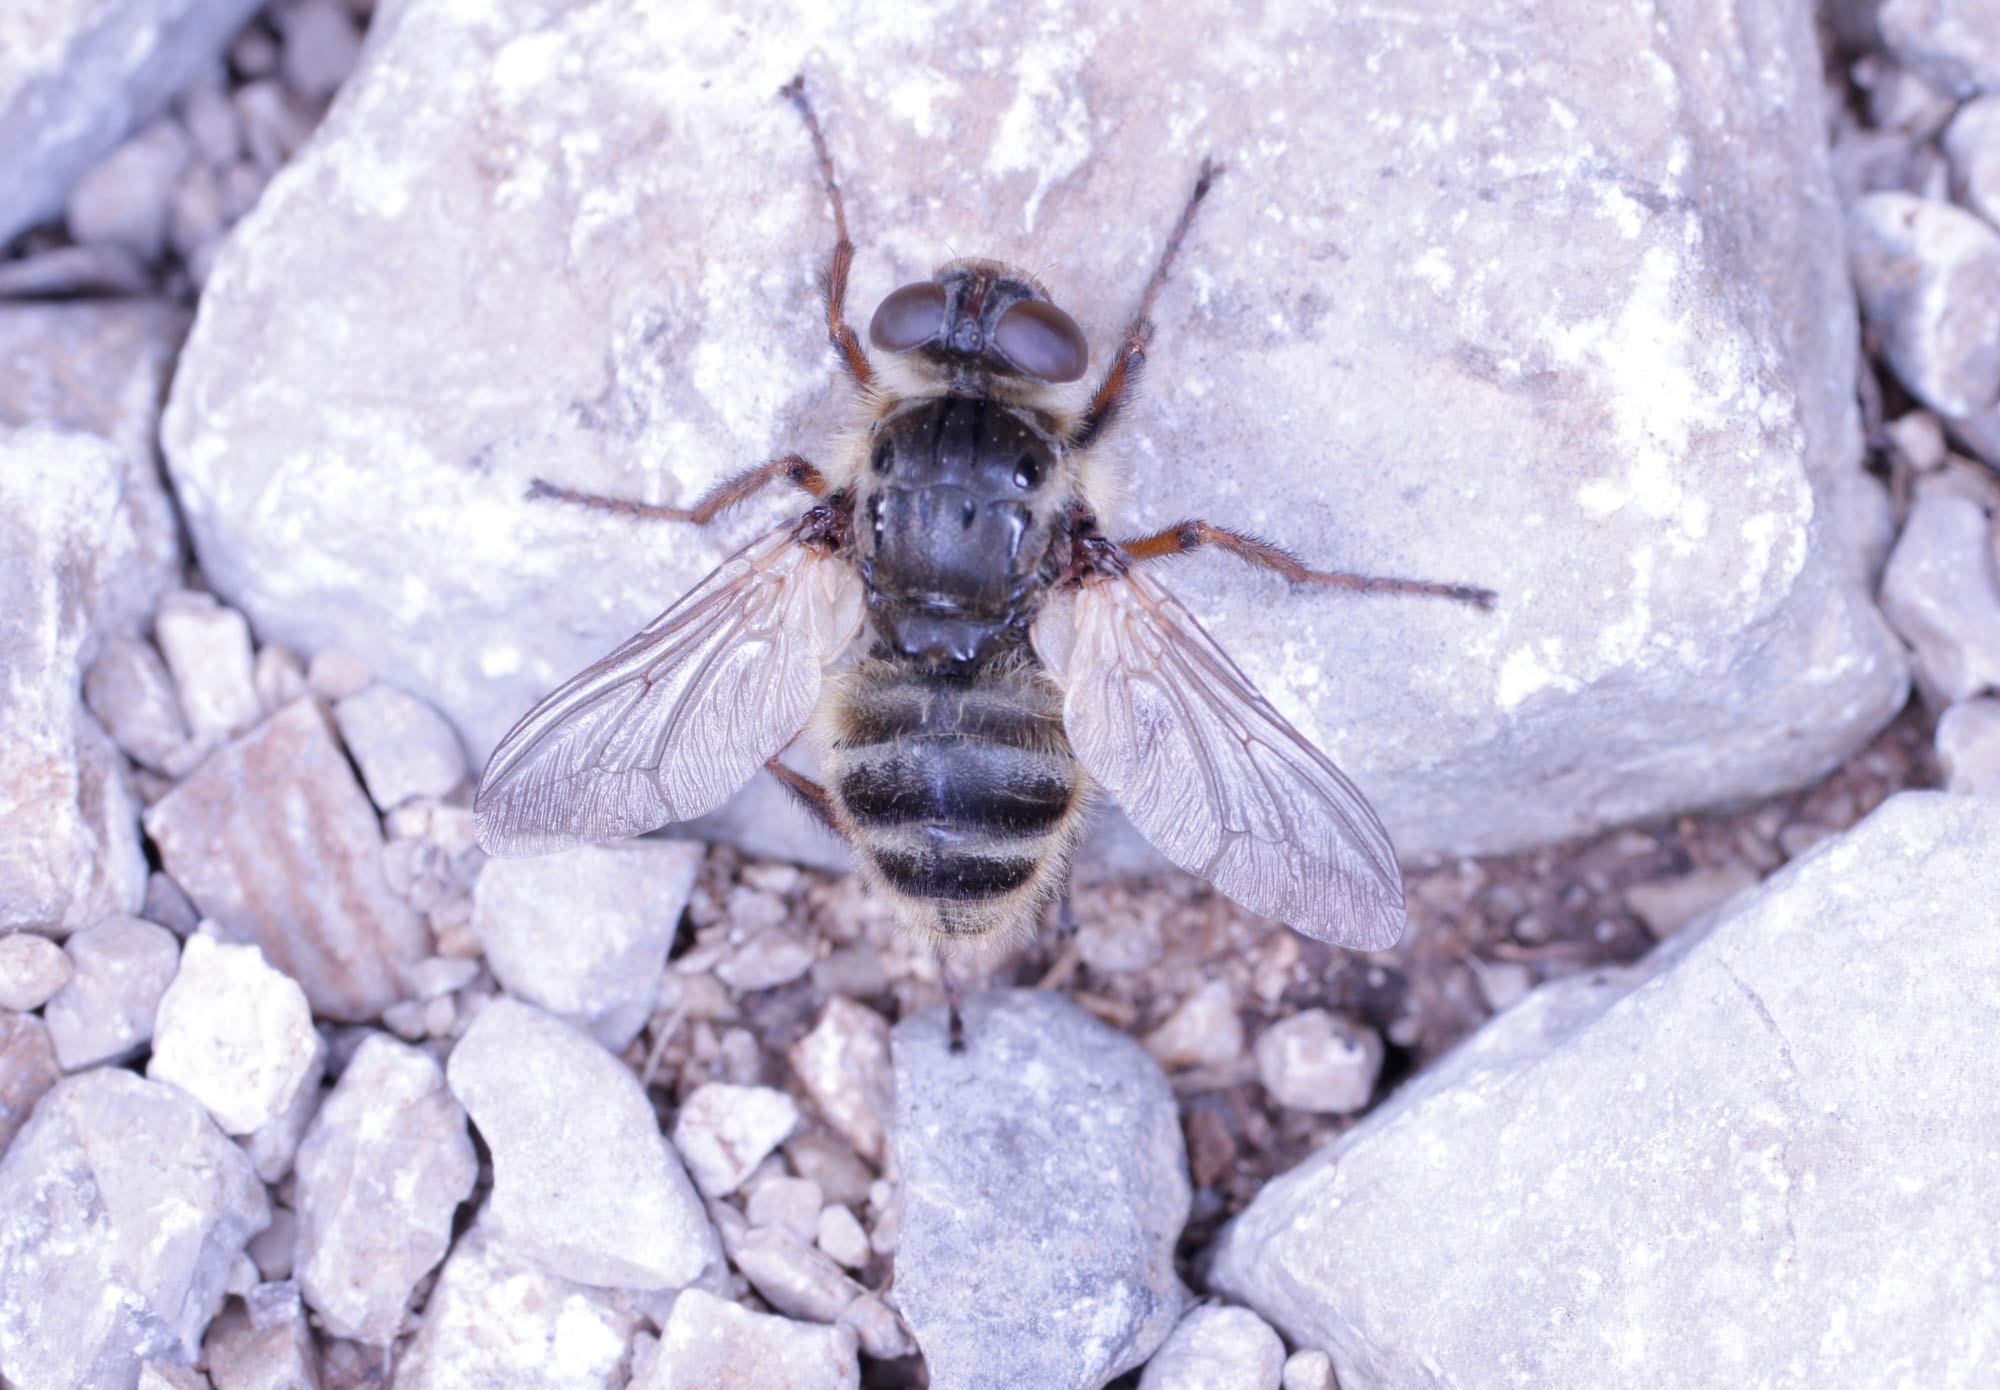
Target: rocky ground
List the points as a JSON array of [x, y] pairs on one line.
[[1679, 1077]]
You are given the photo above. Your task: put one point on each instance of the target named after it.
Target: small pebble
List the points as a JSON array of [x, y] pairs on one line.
[[709, 1343], [792, 1203], [255, 53], [132, 695], [337, 675], [1919, 438], [123, 200], [104, 1014], [841, 1237], [1668, 904], [1215, 1348], [1968, 747], [1309, 1370], [28, 1067], [234, 1034], [1121, 947], [404, 747], [1204, 1031], [724, 1131], [210, 121], [32, 969], [274, 126], [279, 676], [321, 44], [770, 958], [207, 648], [1318, 1062], [1929, 278], [792, 1276], [843, 1064], [1972, 144], [1941, 593]]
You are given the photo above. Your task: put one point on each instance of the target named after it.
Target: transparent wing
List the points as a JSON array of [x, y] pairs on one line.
[[680, 716], [1209, 772]]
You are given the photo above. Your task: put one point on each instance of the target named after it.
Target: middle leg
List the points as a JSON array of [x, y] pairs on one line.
[[1185, 536], [724, 495]]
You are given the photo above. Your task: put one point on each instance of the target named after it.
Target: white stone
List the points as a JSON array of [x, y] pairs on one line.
[[32, 969], [1968, 747], [125, 198], [405, 748], [841, 1237], [724, 1131], [234, 1034], [584, 1183], [1972, 141], [76, 75], [28, 1068], [496, 1320], [380, 1176], [1316, 1061], [276, 843], [1955, 43], [1204, 1030], [1216, 1348], [1046, 1161], [207, 647], [793, 1203], [1309, 1370], [1942, 592], [1929, 278], [1775, 1131], [843, 1064], [274, 1144], [1668, 904], [122, 966], [792, 1276], [769, 958], [122, 1208], [321, 45], [1617, 389], [709, 1343], [585, 933]]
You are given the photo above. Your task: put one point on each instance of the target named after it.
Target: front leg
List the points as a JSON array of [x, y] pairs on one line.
[[724, 495], [1186, 536]]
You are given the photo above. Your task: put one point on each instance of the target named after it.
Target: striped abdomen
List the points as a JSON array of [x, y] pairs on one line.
[[959, 791]]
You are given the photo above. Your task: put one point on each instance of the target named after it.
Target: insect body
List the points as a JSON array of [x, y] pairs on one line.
[[972, 656]]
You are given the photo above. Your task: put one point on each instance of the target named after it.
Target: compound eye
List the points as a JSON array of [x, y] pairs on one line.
[[908, 318], [1042, 341]]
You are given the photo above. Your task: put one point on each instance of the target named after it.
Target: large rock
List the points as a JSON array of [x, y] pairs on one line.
[[1549, 298], [122, 1208], [1763, 1157], [275, 841], [1043, 1167], [584, 1183], [75, 75]]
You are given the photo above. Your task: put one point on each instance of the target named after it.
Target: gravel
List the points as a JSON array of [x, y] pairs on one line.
[[1316, 1061], [404, 747], [723, 1132], [1216, 1348], [32, 968], [236, 1035], [1968, 747], [1929, 279], [709, 1343], [105, 1014]]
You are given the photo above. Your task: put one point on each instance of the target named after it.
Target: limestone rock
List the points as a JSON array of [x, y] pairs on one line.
[[1216, 1348], [130, 692], [1615, 389], [75, 75], [234, 1034], [27, 1069], [380, 1175], [722, 1132], [405, 748], [1929, 277], [585, 933], [32, 968], [843, 1063], [1942, 591], [275, 841], [709, 1343], [496, 1321], [122, 1208], [584, 1183], [207, 647], [1775, 1131], [105, 1013], [1084, 1250]]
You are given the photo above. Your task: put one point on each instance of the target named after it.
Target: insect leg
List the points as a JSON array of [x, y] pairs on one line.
[[1130, 359], [834, 284], [811, 794], [956, 1034], [717, 499], [1185, 536]]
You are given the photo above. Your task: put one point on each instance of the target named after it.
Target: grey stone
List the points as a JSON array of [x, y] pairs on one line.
[[76, 75], [380, 1175], [584, 1183], [585, 933], [792, 1276], [105, 1013], [234, 1034], [723, 1132], [1617, 389], [130, 692], [1317, 1061], [1955, 44], [1942, 592], [32, 969], [1968, 747], [843, 1064], [1045, 1160], [169, 906], [276, 842], [405, 748], [321, 46], [497, 1321], [1774, 1132], [1215, 1348], [28, 1068], [1972, 142], [207, 647], [709, 1343], [125, 198], [122, 1208], [1204, 1030], [1929, 278]]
